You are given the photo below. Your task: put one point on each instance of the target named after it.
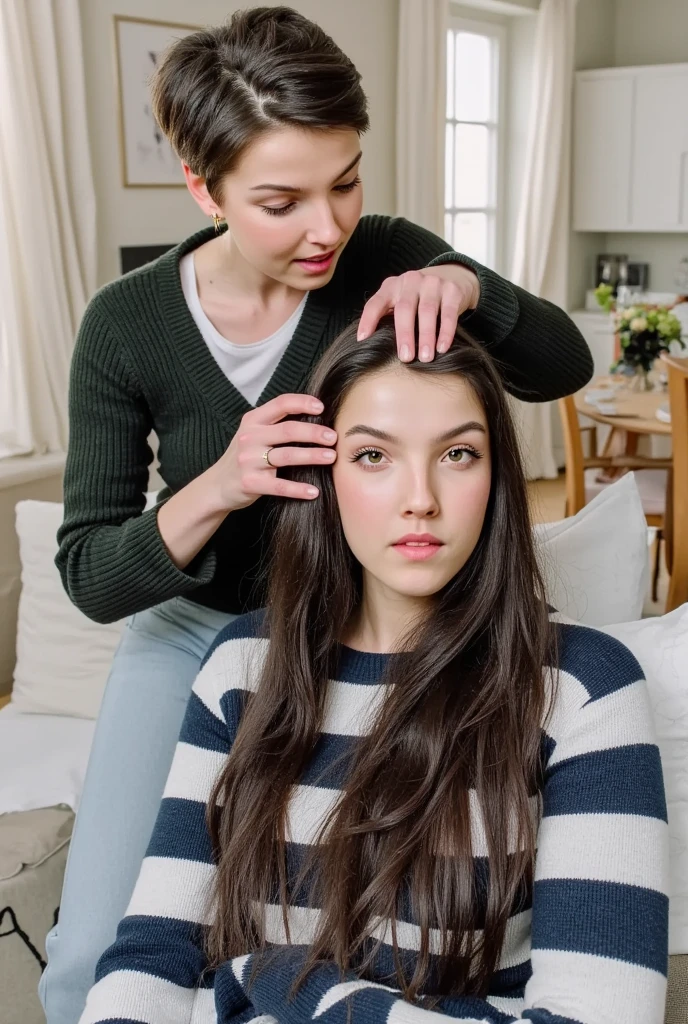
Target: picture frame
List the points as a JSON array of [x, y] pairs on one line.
[[147, 159]]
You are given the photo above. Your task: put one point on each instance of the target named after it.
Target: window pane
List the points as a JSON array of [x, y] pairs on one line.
[[448, 166], [448, 233], [450, 74], [471, 235], [473, 77], [471, 165]]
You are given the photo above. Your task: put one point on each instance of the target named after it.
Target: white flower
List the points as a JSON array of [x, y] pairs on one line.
[[638, 324]]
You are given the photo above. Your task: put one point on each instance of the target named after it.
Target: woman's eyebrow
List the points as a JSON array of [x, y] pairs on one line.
[[382, 435], [294, 188]]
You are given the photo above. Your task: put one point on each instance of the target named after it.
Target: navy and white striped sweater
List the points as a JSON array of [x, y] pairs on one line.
[[590, 946]]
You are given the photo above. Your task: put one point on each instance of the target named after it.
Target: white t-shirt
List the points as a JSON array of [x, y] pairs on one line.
[[248, 367]]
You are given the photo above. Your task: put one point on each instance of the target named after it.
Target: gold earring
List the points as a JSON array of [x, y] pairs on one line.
[[217, 221]]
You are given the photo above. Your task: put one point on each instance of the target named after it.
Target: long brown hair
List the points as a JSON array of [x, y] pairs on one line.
[[463, 711], [216, 91]]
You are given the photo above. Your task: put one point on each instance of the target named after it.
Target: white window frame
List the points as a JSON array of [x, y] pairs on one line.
[[495, 208]]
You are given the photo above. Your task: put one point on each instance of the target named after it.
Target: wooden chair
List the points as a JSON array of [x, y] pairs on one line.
[[581, 469], [677, 512]]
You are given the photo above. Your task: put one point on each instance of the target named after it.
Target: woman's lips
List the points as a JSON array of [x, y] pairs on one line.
[[317, 264], [417, 550]]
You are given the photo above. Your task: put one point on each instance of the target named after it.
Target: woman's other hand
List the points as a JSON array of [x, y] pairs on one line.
[[244, 474], [446, 291]]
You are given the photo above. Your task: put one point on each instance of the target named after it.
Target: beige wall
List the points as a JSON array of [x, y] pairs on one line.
[[650, 32], [365, 29]]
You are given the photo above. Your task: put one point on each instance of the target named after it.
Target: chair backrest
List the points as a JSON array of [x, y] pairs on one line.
[[575, 460], [677, 370]]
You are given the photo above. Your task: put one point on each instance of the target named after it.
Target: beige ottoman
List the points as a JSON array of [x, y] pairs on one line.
[[33, 854]]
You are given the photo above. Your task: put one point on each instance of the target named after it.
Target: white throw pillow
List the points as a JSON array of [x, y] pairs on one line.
[[63, 658], [661, 646], [43, 760], [595, 563]]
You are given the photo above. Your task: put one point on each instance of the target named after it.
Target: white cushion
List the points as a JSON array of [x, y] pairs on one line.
[[661, 646], [43, 760], [63, 658], [595, 563], [651, 483]]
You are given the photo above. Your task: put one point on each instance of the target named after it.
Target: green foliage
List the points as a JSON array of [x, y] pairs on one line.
[[644, 332]]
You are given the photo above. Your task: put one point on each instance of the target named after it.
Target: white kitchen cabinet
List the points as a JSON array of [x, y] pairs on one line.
[[630, 149], [598, 331]]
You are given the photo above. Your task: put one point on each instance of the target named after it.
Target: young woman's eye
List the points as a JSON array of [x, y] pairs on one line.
[[369, 457], [349, 186], [278, 211], [462, 456]]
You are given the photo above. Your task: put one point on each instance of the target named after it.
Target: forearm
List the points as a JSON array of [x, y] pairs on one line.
[[540, 352], [189, 519]]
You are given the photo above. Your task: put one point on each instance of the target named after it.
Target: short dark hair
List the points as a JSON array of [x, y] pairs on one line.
[[217, 90]]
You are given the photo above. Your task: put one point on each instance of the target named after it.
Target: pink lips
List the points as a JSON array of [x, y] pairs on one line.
[[317, 264], [417, 547]]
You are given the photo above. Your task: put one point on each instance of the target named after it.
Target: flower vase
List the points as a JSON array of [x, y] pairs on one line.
[[640, 381]]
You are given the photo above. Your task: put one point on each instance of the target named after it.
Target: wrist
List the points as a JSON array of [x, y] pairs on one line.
[[213, 498]]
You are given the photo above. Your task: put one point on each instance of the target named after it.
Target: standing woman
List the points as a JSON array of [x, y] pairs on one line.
[[209, 347]]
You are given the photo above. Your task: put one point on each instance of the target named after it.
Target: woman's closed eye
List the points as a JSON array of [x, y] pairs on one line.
[[277, 211]]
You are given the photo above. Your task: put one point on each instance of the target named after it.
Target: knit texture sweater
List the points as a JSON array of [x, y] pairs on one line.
[[586, 943], [141, 365]]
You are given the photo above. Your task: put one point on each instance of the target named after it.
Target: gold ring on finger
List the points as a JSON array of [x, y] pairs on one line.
[[266, 456]]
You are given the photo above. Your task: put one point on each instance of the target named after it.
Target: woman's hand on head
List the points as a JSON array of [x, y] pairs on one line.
[[446, 291], [243, 474]]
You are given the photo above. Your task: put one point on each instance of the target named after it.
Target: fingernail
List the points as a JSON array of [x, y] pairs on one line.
[[312, 492], [362, 335], [328, 455], [317, 406], [405, 352], [425, 354], [329, 435]]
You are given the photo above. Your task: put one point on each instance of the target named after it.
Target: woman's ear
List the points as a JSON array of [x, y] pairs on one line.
[[199, 190]]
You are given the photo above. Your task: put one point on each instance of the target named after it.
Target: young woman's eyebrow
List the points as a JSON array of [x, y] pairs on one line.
[[294, 188], [382, 435]]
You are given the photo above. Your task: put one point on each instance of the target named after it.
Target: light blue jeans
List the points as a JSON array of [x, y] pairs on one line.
[[145, 698]]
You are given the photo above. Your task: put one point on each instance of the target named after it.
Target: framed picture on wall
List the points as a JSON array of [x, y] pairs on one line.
[[148, 160]]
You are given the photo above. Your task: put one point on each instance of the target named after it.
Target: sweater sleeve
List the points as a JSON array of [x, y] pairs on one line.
[[540, 352], [111, 557], [599, 937], [156, 969]]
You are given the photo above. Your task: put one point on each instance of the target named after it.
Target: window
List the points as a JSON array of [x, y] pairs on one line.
[[472, 138]]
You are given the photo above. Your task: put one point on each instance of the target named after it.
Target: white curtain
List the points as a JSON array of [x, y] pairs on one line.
[[47, 218], [541, 248], [421, 100]]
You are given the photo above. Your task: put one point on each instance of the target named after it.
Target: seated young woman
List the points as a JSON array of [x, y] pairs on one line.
[[407, 790]]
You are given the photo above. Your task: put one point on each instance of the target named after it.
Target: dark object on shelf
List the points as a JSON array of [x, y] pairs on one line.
[[133, 256], [612, 269], [638, 276]]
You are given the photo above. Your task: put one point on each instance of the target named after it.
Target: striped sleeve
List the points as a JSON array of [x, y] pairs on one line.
[[599, 944], [154, 971]]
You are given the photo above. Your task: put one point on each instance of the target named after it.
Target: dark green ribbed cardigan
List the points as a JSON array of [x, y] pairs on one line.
[[140, 364]]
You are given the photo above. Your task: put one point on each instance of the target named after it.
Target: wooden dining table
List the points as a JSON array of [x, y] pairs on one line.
[[635, 411], [635, 416]]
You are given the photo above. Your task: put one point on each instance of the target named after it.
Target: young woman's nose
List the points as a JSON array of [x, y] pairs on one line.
[[419, 498], [324, 229]]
